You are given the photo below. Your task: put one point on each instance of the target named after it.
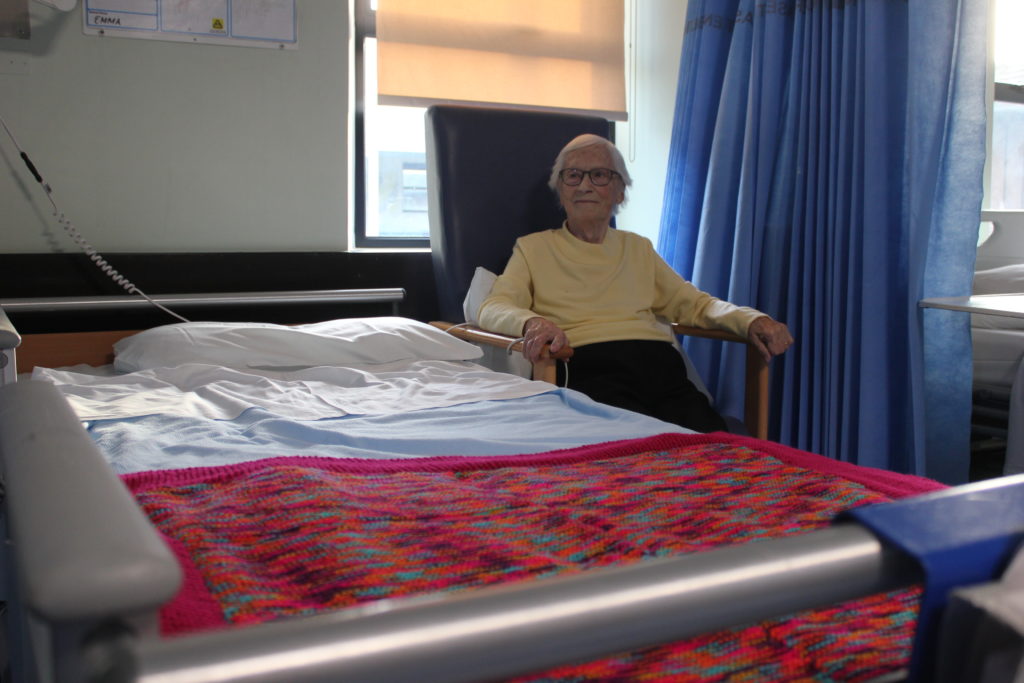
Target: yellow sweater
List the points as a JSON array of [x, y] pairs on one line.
[[601, 292]]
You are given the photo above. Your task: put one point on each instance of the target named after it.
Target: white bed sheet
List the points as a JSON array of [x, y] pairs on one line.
[[197, 415], [214, 392]]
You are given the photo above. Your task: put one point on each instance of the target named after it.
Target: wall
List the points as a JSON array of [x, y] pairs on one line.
[[154, 146], [645, 138]]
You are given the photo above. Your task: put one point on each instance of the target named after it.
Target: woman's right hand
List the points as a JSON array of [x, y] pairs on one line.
[[537, 333]]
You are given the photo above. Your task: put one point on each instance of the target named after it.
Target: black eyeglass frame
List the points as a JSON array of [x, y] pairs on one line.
[[612, 173]]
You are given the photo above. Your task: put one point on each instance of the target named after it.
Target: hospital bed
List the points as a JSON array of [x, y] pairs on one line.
[[138, 503], [998, 341]]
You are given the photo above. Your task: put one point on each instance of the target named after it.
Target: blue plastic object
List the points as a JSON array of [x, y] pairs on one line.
[[962, 536]]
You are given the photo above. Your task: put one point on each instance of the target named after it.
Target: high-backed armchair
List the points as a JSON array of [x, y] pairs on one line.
[[487, 173]]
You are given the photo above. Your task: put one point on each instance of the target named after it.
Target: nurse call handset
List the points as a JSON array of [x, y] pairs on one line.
[[77, 237]]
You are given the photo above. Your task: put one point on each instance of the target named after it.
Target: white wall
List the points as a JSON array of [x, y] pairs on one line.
[[645, 138], [154, 146]]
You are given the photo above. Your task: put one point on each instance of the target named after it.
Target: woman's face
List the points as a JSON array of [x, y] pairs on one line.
[[587, 202]]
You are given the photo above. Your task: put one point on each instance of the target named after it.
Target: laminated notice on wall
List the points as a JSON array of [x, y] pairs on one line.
[[256, 23]]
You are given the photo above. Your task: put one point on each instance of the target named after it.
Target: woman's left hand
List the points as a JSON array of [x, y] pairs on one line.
[[770, 337]]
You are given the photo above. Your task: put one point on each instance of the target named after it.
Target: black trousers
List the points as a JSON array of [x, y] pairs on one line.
[[647, 377]]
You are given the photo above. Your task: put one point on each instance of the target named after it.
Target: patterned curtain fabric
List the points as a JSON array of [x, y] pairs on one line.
[[826, 167]]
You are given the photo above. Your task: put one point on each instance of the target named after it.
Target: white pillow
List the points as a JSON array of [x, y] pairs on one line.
[[479, 288], [348, 341]]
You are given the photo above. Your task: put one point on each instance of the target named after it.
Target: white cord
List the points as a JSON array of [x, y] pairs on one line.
[[508, 349], [77, 237]]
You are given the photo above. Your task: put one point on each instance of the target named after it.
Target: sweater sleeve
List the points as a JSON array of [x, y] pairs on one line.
[[507, 308], [681, 302]]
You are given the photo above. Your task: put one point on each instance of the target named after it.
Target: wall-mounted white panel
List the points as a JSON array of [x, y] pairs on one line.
[[236, 23], [154, 146]]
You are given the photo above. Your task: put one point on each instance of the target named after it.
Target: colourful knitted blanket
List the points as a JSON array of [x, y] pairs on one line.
[[297, 535]]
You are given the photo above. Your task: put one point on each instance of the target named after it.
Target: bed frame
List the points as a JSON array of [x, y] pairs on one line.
[[58, 349], [1002, 245], [82, 590]]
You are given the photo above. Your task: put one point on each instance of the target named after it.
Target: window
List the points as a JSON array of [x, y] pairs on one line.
[[1006, 159], [391, 176], [565, 56]]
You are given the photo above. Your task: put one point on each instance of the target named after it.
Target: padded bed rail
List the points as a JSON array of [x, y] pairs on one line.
[[85, 552]]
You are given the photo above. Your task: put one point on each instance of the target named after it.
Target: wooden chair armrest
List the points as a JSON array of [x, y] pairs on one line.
[[543, 370], [755, 409], [755, 406]]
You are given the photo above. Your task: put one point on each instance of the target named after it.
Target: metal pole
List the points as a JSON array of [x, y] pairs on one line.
[[92, 303], [511, 630]]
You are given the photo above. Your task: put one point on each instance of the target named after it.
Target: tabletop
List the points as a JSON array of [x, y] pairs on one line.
[[1009, 305]]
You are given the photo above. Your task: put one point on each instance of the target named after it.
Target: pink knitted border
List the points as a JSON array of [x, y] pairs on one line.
[[892, 484]]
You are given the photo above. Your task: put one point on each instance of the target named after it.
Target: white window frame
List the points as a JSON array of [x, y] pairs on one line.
[[365, 26]]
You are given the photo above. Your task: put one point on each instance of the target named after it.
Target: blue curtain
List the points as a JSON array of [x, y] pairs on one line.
[[826, 167]]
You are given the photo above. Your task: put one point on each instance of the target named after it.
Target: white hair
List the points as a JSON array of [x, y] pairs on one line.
[[589, 140]]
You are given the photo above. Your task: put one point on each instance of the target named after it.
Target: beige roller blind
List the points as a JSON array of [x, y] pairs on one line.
[[549, 54]]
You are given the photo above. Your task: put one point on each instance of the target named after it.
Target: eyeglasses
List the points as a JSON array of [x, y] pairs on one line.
[[598, 176]]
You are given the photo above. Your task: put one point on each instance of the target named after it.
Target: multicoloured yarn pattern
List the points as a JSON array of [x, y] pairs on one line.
[[295, 536]]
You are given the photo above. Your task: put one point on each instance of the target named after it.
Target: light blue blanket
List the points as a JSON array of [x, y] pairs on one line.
[[550, 421]]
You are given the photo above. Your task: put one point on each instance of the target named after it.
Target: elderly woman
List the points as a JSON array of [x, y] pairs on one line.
[[600, 290]]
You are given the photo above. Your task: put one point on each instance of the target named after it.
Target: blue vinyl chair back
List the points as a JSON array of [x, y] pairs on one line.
[[487, 174]]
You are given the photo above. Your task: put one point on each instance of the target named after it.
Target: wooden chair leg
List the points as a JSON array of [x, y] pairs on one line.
[[545, 370], [755, 410]]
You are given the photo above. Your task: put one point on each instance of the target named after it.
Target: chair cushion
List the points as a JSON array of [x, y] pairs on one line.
[[479, 288]]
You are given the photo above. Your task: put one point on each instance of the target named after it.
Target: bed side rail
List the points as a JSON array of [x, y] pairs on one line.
[[83, 548], [498, 632], [956, 537], [392, 295]]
